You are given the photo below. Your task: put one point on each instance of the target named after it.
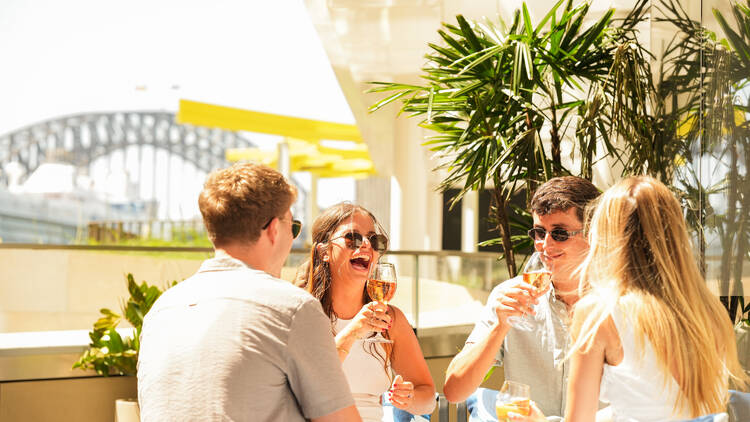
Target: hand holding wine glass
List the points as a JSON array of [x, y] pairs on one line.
[[381, 286], [535, 273]]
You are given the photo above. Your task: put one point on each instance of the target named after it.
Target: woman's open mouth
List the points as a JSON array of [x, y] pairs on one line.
[[361, 263]]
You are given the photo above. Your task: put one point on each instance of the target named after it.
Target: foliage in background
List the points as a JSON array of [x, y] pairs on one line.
[[494, 91], [191, 235], [732, 144], [188, 237], [109, 353]]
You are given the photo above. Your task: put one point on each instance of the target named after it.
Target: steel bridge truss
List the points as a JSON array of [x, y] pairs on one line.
[[82, 138]]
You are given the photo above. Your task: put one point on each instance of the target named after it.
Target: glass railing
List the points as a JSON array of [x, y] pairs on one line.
[[48, 287]]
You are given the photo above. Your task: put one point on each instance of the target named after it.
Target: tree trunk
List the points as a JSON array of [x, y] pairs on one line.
[[556, 155], [730, 229], [503, 226]]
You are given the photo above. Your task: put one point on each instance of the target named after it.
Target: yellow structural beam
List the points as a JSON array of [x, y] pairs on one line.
[[321, 164], [229, 118]]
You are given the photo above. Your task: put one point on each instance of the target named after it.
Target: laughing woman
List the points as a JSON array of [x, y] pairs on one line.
[[347, 241]]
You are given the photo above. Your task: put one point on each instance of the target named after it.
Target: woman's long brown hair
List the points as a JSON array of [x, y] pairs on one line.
[[314, 275]]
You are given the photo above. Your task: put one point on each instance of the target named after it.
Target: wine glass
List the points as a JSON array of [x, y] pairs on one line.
[[381, 286], [535, 272], [513, 397]]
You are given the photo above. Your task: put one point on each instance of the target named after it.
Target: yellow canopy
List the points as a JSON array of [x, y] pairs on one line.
[[303, 137], [317, 159], [229, 118]]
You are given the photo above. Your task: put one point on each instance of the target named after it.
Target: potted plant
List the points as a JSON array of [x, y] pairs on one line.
[[109, 352]]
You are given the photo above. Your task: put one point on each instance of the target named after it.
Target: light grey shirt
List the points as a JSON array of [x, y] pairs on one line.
[[235, 344], [536, 357]]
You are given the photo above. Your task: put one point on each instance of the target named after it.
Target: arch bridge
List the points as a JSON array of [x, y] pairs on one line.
[[80, 139]]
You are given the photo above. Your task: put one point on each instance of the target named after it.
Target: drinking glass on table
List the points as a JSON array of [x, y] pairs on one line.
[[381, 286], [535, 272], [513, 397]]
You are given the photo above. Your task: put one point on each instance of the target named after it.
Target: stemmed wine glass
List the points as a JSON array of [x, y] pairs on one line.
[[381, 286], [535, 272], [513, 397]]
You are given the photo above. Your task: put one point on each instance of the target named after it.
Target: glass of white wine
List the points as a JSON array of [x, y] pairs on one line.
[[513, 397], [381, 286], [535, 272]]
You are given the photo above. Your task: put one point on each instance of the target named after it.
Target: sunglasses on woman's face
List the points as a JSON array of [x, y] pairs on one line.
[[354, 240], [559, 235], [296, 227]]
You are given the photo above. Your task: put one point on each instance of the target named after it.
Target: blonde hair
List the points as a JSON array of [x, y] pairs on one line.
[[236, 202], [640, 259]]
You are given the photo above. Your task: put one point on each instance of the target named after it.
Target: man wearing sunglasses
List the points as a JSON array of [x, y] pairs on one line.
[[535, 357], [234, 342]]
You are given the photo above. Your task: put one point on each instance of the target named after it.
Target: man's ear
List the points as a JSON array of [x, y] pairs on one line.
[[273, 230]]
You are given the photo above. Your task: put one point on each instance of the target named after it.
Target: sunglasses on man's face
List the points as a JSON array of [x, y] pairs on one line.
[[559, 235], [354, 240], [296, 227]]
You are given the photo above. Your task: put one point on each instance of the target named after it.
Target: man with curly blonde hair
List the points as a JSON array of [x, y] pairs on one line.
[[234, 342]]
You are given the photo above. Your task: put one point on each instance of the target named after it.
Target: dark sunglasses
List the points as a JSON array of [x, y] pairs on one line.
[[354, 240], [296, 227], [559, 235]]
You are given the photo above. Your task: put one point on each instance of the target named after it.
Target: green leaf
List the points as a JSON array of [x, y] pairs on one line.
[[109, 353], [489, 373], [468, 33], [527, 21], [547, 17]]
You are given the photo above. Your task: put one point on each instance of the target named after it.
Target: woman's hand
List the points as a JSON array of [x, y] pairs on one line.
[[401, 393], [535, 416], [372, 317]]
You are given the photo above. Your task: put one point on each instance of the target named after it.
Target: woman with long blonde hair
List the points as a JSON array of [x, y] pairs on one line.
[[347, 242], [649, 337]]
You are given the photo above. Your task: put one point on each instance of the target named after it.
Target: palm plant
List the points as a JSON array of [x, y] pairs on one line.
[[733, 128], [658, 112], [494, 92]]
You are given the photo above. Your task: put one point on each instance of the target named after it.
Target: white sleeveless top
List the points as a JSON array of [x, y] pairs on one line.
[[634, 388], [367, 378]]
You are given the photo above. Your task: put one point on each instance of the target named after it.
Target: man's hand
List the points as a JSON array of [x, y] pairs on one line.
[[516, 298]]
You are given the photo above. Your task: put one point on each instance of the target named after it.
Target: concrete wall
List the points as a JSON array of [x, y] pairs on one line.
[[63, 400]]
